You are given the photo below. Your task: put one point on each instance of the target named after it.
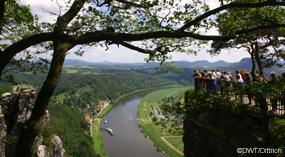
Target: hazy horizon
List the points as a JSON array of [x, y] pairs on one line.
[[106, 61]]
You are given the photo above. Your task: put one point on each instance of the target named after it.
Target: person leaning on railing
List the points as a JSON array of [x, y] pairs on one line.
[[247, 80], [238, 86], [196, 76]]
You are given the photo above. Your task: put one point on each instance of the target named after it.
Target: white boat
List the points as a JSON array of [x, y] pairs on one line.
[[110, 131], [105, 121]]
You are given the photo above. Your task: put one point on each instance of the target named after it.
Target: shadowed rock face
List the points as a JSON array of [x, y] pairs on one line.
[[15, 109], [58, 150], [219, 132], [42, 150], [3, 129]]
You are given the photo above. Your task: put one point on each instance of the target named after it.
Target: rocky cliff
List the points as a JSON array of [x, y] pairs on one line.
[[15, 109], [216, 127]]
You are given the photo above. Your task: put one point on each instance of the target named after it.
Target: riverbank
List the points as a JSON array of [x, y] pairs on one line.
[[165, 141], [98, 145], [96, 128]]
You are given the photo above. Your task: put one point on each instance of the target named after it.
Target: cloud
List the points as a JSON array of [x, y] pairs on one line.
[[47, 10]]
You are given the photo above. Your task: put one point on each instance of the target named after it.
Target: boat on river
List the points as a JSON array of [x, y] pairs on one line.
[[110, 131]]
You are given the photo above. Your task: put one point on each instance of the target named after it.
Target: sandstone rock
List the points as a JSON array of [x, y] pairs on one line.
[[2, 133], [37, 142], [58, 150], [16, 108], [42, 151], [5, 95]]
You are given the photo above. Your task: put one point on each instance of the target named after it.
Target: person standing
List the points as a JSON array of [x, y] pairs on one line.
[[212, 83], [218, 79], [196, 76], [238, 85], [247, 80]]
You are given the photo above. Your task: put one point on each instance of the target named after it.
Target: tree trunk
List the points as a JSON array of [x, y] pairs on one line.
[[258, 61], [2, 11], [33, 126], [264, 121], [253, 62]]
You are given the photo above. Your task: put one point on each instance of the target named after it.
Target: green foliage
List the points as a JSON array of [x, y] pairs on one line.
[[69, 125], [76, 90], [208, 101], [98, 138], [203, 104], [267, 43], [93, 88], [277, 128], [18, 22], [270, 90], [237, 19], [16, 13]]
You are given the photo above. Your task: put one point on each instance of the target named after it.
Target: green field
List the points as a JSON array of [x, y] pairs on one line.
[[156, 132], [176, 141], [98, 138], [71, 70]]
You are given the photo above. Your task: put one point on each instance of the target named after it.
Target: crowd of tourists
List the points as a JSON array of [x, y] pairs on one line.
[[216, 80], [224, 81]]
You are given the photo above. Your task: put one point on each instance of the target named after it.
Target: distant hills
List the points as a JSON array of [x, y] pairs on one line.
[[181, 64], [245, 63]]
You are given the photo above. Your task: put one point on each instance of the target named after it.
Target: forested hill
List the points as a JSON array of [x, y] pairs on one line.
[[79, 92], [140, 66], [247, 64]]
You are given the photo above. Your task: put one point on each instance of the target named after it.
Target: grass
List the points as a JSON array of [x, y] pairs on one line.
[[90, 73], [71, 70], [175, 141], [98, 138], [104, 111], [155, 132]]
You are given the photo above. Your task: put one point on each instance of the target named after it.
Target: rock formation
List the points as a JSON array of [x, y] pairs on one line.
[[58, 150], [219, 132], [15, 109], [2, 133]]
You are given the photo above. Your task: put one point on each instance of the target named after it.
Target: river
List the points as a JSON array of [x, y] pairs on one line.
[[128, 140]]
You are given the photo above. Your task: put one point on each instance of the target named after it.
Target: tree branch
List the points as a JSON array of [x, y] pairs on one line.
[[63, 21], [101, 36], [132, 47], [17, 47], [228, 6], [90, 37], [133, 4]]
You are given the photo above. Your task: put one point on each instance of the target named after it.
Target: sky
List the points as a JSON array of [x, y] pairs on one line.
[[120, 54]]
